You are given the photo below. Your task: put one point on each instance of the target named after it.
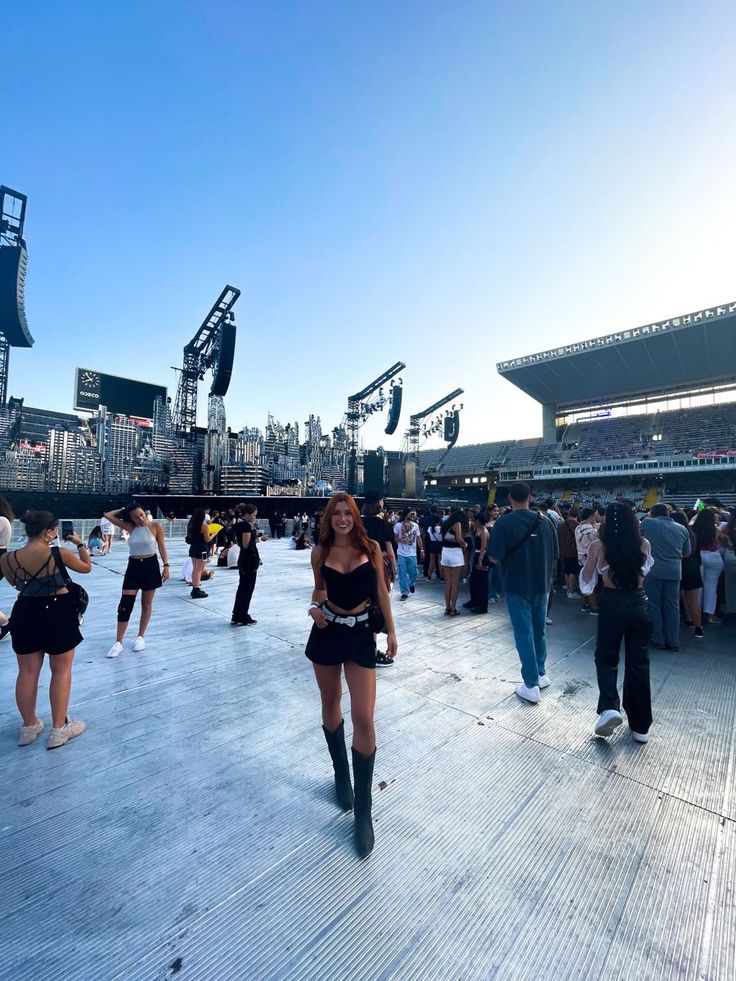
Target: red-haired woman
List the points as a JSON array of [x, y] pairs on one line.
[[348, 579]]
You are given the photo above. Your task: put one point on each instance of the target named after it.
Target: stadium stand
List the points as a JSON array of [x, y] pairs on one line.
[[608, 428]]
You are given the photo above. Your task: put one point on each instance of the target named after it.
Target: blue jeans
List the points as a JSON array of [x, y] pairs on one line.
[[407, 573], [664, 606], [530, 634]]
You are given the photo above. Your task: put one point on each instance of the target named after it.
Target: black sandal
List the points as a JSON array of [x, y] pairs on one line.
[[383, 659]]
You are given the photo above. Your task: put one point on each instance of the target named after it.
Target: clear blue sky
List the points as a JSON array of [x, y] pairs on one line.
[[449, 184]]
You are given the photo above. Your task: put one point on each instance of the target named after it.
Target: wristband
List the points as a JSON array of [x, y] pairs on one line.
[[81, 545], [166, 565], [313, 606]]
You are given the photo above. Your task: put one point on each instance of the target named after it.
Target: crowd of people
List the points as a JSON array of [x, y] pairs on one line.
[[643, 576]]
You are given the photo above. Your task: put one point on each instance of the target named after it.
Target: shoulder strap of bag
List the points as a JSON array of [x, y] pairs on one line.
[[525, 538], [68, 581]]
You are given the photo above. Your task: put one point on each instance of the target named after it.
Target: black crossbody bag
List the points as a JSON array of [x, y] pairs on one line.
[[524, 539], [79, 595]]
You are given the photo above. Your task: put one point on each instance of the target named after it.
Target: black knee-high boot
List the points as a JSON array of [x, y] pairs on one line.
[[363, 778], [339, 754]]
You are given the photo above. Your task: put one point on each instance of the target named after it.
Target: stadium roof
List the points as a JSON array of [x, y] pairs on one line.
[[685, 352]]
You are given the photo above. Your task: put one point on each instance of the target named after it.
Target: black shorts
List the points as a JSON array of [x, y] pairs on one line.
[[143, 574], [2, 552], [47, 624], [571, 567], [691, 575], [337, 643]]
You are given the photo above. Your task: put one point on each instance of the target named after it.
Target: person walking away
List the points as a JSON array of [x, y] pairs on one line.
[[246, 533], [621, 558], [408, 538], [691, 581], [142, 573], [45, 621], [585, 533], [452, 559], [6, 533], [348, 581], [705, 527], [569, 552], [525, 544], [670, 544], [108, 533]]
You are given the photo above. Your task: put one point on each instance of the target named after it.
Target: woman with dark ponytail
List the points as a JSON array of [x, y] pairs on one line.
[[621, 557], [44, 621]]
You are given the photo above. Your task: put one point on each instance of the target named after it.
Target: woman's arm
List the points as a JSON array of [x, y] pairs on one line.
[[80, 560], [482, 550], [206, 533], [112, 517], [319, 593], [457, 530], [391, 559], [158, 532], [384, 601], [588, 577]]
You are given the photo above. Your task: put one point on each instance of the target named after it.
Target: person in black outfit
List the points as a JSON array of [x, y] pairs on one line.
[[246, 535], [480, 564], [621, 557], [199, 538], [379, 530], [348, 580]]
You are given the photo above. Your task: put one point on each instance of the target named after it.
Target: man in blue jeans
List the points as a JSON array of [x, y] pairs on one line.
[[524, 543]]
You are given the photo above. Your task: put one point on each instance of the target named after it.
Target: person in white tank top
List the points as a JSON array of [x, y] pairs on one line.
[[146, 543]]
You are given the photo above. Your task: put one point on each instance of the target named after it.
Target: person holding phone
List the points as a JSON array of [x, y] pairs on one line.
[[145, 540], [199, 538], [44, 621]]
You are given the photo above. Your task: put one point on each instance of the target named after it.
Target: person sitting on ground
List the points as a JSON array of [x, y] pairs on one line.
[[301, 542], [95, 541]]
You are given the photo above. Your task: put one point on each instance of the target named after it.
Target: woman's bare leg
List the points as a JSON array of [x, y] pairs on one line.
[[26, 685]]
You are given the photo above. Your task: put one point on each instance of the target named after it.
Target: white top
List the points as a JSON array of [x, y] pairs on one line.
[[141, 543], [107, 527], [406, 539], [596, 565], [6, 532]]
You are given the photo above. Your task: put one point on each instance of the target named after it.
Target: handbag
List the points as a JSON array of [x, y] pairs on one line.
[[79, 595], [376, 619]]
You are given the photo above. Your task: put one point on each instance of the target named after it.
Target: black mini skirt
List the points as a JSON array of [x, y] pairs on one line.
[[48, 624], [337, 643], [143, 574]]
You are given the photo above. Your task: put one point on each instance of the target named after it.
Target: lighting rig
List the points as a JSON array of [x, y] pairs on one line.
[[361, 406], [213, 346], [421, 428]]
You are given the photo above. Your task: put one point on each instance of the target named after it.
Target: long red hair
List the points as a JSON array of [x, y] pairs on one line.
[[358, 538]]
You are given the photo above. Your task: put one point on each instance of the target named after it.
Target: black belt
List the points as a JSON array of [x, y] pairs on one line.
[[347, 621]]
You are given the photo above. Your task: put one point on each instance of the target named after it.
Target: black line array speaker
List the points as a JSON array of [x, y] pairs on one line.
[[395, 410], [395, 474], [373, 478], [225, 358], [13, 324]]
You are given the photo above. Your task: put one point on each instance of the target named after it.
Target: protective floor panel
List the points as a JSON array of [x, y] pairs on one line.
[[192, 831]]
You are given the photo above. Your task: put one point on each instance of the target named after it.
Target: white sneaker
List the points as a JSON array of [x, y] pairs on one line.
[[548, 621], [571, 595], [544, 681], [70, 729], [607, 722], [139, 644], [528, 694], [116, 650], [28, 733], [640, 737]]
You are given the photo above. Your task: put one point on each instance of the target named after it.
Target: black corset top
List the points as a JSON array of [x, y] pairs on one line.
[[349, 589]]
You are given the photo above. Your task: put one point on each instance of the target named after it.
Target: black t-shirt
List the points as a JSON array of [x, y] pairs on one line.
[[379, 530], [529, 569], [248, 558]]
